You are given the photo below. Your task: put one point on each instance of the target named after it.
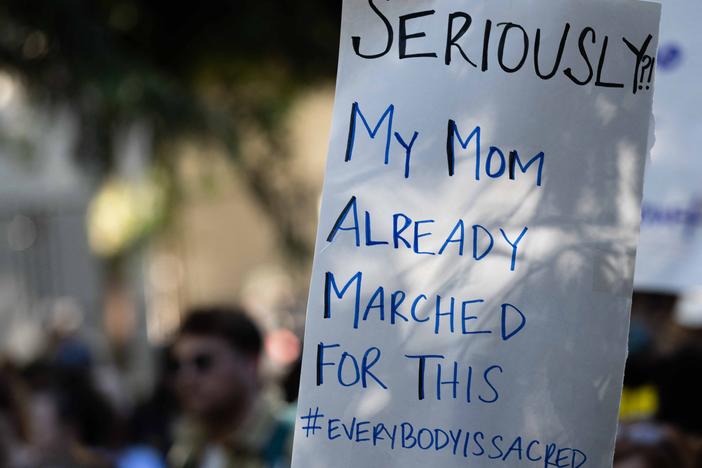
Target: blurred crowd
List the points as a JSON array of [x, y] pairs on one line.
[[211, 407], [661, 409]]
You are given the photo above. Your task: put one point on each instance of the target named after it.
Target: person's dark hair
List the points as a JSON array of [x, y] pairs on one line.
[[230, 323]]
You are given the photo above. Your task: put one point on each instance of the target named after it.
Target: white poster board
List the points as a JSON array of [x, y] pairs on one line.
[[470, 294], [670, 251]]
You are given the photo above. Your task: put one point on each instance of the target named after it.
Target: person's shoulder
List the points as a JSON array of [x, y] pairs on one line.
[[279, 448], [188, 440]]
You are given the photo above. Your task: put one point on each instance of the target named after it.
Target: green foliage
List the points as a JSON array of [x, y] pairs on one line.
[[201, 68]]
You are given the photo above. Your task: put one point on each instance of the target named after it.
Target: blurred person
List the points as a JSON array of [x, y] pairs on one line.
[[70, 344], [640, 395], [651, 445], [151, 422], [229, 422], [71, 424], [13, 421], [153, 418], [291, 381], [679, 385], [681, 389]]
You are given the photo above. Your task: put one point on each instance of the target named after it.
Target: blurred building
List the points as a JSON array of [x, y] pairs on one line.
[[62, 228], [44, 253]]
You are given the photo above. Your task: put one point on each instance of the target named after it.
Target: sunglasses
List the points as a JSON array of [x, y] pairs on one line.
[[201, 363]]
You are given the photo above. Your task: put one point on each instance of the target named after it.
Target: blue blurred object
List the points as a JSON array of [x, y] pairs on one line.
[[141, 457], [73, 354], [670, 56]]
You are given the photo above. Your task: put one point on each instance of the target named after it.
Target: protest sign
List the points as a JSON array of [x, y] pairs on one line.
[[670, 251], [471, 287]]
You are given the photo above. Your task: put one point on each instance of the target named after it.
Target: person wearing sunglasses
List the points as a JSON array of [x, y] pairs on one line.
[[228, 423]]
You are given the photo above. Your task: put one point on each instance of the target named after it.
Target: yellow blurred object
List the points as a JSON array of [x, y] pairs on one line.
[[124, 212], [638, 403]]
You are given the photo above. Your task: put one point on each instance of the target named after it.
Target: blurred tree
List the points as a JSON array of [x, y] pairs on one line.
[[208, 69]]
